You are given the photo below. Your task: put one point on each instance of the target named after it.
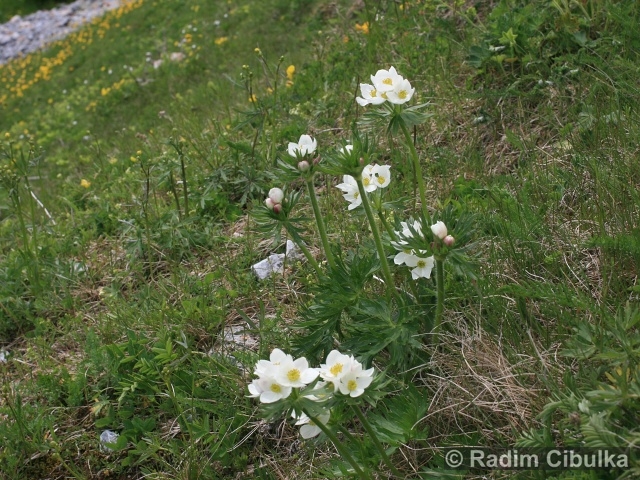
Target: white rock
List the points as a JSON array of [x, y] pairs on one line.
[[107, 437]]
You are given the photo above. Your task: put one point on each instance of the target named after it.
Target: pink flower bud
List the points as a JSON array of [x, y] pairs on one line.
[[449, 241], [269, 203], [277, 208], [303, 166]]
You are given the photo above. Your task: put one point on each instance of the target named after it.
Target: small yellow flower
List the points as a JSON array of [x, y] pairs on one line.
[[85, 183], [258, 51], [220, 40], [113, 160], [364, 28], [291, 69], [253, 98]]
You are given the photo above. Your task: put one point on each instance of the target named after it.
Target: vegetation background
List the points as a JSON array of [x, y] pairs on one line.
[[135, 151]]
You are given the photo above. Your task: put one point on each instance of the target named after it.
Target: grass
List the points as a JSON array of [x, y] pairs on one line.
[[137, 153]]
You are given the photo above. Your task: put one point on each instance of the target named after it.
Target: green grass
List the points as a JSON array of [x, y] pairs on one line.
[[129, 219]]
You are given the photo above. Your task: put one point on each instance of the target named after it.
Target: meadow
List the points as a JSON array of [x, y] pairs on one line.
[[466, 228]]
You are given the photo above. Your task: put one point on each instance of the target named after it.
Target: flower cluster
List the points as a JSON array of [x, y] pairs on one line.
[[373, 177], [386, 85], [274, 200], [281, 374]]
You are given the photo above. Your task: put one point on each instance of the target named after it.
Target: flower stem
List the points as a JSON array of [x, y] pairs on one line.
[[439, 295], [304, 250], [376, 442], [388, 279], [386, 225], [320, 222], [418, 171], [339, 446]]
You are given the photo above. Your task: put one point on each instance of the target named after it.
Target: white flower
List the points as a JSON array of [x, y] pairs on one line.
[[439, 229], [423, 266], [354, 382], [351, 192], [305, 146], [269, 203], [405, 256], [386, 80], [310, 429], [268, 390], [337, 365], [381, 175], [267, 368], [370, 96], [295, 373], [401, 93], [276, 195], [346, 150], [367, 179]]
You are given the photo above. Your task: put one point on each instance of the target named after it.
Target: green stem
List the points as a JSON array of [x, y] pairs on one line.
[[386, 225], [440, 295], [321, 228], [418, 171], [376, 442], [305, 251], [339, 446], [386, 273]]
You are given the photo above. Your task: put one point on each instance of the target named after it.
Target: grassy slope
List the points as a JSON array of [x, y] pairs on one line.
[[541, 149]]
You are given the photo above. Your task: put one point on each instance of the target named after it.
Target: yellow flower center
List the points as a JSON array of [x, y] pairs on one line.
[[356, 194], [407, 251], [387, 81], [352, 385], [366, 181], [275, 388], [384, 95], [422, 264], [293, 375], [373, 94], [336, 369], [381, 179], [402, 94]]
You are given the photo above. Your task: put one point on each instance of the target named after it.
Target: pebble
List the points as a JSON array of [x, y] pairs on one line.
[[23, 35]]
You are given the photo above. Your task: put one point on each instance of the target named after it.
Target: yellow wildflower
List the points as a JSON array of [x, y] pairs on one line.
[[364, 28], [253, 98], [85, 183], [220, 40], [291, 69]]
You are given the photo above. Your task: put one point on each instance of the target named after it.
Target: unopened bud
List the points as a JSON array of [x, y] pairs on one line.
[[277, 208], [269, 203], [276, 195], [303, 166], [439, 229], [449, 241], [361, 161], [316, 160]]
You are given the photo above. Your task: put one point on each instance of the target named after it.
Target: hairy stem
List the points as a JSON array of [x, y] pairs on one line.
[[376, 442], [418, 172], [439, 295], [320, 222]]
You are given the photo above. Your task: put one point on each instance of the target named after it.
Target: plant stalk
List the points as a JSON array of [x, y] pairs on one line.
[[372, 434], [305, 251], [418, 171], [439, 295], [320, 222], [339, 446], [388, 279]]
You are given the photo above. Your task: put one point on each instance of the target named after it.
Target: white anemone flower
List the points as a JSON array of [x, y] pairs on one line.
[[368, 179], [267, 368], [423, 266], [405, 256], [309, 429], [268, 390], [353, 383], [386, 80], [406, 231], [381, 175], [401, 93], [295, 373], [305, 146], [337, 365], [370, 96], [439, 229], [346, 150], [351, 192]]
